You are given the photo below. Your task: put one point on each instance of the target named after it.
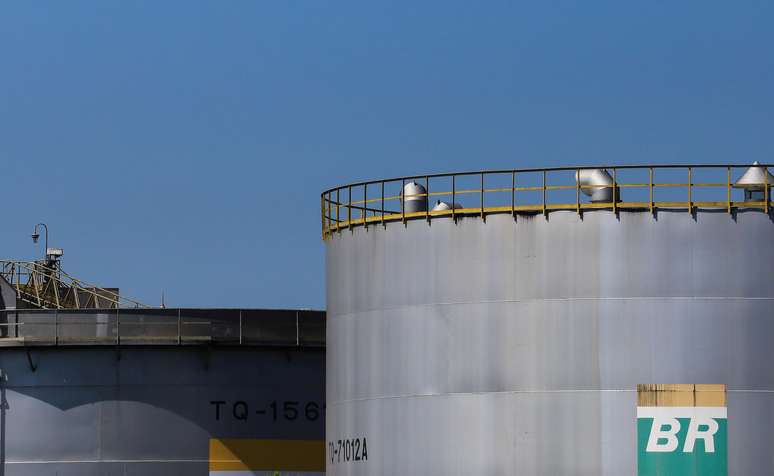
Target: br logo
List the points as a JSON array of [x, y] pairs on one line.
[[682, 430]]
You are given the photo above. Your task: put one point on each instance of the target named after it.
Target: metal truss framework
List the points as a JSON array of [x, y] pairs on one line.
[[44, 285]]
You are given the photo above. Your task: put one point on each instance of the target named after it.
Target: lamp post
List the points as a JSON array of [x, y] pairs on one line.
[[35, 235]]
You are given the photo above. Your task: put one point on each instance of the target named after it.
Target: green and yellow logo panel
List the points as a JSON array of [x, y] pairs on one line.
[[682, 430]]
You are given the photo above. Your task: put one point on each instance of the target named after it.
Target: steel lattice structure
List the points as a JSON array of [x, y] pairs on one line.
[[45, 285]]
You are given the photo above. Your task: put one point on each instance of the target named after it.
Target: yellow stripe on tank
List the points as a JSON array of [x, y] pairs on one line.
[[232, 454], [681, 395]]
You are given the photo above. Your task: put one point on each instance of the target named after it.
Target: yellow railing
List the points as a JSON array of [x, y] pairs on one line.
[[541, 191]]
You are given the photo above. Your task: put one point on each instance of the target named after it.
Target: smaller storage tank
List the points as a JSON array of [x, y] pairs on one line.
[[173, 392]]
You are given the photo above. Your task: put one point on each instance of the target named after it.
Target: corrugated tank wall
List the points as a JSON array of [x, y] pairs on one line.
[[516, 346]]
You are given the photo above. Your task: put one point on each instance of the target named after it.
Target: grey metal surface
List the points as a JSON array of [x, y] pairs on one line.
[[515, 346], [596, 183], [95, 410], [415, 198]]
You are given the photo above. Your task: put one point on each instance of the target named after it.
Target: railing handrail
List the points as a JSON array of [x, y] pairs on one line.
[[542, 169], [351, 204], [173, 327]]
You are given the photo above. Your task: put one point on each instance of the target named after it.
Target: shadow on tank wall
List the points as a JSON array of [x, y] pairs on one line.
[[160, 377], [163, 403]]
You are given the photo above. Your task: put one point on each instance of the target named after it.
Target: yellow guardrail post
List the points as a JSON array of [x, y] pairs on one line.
[[427, 199], [338, 210], [577, 191], [615, 191], [545, 211], [482, 197], [349, 207], [513, 194], [650, 186], [729, 190], [364, 211], [330, 214], [454, 197], [690, 189], [383, 204], [403, 200]]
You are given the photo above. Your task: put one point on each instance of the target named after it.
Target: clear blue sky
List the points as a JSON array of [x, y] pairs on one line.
[[182, 145]]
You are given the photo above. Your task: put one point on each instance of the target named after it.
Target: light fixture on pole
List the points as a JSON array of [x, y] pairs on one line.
[[35, 235]]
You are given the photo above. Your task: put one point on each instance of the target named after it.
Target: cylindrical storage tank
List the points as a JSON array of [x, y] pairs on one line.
[[505, 343], [172, 392]]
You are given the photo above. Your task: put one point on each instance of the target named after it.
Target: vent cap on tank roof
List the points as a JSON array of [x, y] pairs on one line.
[[414, 198], [754, 182], [443, 206], [597, 184]]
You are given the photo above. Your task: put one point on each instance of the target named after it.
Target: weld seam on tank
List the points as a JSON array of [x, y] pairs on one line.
[[567, 299], [513, 392]]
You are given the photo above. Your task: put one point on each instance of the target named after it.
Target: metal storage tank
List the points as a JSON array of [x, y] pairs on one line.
[[162, 392], [531, 331]]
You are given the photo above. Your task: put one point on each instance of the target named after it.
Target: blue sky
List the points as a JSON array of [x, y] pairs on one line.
[[182, 145]]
